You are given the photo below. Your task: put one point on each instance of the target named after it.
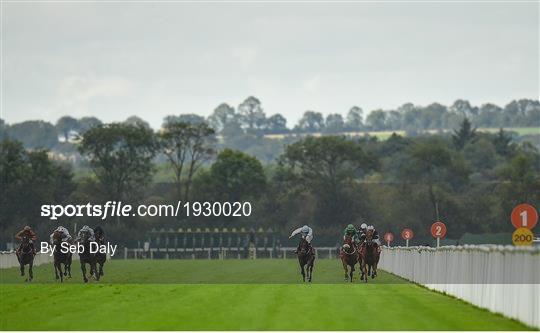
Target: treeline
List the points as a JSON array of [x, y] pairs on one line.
[[468, 179], [249, 117]]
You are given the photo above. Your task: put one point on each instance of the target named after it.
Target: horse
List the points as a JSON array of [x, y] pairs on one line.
[[349, 257], [25, 256], [369, 257], [61, 257], [85, 257], [306, 259], [100, 257]]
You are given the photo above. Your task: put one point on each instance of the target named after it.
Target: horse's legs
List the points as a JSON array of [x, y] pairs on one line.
[[30, 270], [70, 258], [96, 273], [346, 269], [302, 271], [101, 268], [361, 269], [365, 272], [351, 273], [56, 271], [22, 268], [61, 273], [83, 269]]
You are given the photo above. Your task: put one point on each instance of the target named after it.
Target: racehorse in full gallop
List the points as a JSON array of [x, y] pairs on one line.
[[306, 259], [100, 257], [349, 257], [25, 256], [86, 235], [369, 257], [61, 258]]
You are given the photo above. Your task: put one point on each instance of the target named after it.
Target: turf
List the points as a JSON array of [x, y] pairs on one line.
[[230, 295]]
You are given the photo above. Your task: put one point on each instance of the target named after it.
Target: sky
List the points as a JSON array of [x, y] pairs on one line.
[[113, 60]]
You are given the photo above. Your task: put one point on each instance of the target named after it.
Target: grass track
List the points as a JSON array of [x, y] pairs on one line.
[[229, 295]]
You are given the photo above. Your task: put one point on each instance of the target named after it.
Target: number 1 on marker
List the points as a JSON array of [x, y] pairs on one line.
[[523, 215]]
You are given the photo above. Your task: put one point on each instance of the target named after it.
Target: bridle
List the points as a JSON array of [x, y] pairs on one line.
[[349, 238]]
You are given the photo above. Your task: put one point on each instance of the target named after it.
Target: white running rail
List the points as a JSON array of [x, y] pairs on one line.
[[502, 279], [8, 259]]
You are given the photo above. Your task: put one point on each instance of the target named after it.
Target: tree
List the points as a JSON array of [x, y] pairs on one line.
[[503, 143], [65, 125], [120, 156], [334, 123], [136, 121], [355, 119], [326, 167], [34, 134], [490, 115], [481, 154], [429, 163], [517, 112], [222, 116], [376, 120], [189, 118], [311, 122], [86, 123], [276, 124], [28, 180], [432, 116], [464, 108], [252, 114], [186, 146], [328, 159], [523, 180], [3, 129], [464, 134], [234, 176]]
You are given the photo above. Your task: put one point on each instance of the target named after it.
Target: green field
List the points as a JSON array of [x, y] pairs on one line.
[[230, 295]]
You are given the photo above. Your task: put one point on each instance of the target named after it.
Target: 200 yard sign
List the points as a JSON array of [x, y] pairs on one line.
[[524, 217]]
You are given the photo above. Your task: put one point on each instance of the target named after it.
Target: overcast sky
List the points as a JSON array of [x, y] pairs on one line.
[[114, 60]]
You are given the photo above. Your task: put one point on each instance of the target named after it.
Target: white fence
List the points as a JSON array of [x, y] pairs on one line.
[[8, 259], [503, 279], [222, 253]]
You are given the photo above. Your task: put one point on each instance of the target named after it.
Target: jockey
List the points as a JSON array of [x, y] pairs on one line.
[[363, 229], [306, 233], [86, 230], [66, 237], [375, 235], [98, 233], [32, 237], [351, 231]]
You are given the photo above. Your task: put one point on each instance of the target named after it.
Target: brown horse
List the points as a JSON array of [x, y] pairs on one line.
[[61, 258], [369, 257], [86, 257], [100, 257], [349, 257], [25, 256], [306, 259]]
